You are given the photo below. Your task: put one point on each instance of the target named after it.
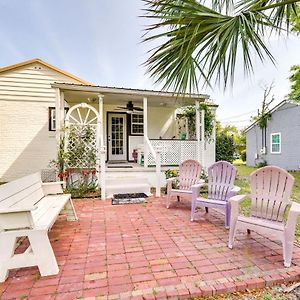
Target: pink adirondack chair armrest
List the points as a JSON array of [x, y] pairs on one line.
[[237, 199], [293, 215], [235, 189], [171, 179], [234, 203], [169, 183], [196, 187], [201, 181], [295, 208]]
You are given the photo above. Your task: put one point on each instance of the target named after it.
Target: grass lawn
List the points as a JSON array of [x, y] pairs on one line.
[[243, 182]]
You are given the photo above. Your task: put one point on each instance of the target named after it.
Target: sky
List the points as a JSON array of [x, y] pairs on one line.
[[100, 41]]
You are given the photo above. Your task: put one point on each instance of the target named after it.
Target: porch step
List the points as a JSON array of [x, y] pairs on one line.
[[124, 185]]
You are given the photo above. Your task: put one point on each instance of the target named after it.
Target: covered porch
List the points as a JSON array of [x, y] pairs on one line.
[[133, 127]]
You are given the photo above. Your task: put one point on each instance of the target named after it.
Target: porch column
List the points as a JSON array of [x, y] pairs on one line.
[[198, 131], [62, 110], [202, 138], [101, 150], [57, 116], [101, 135], [145, 113]]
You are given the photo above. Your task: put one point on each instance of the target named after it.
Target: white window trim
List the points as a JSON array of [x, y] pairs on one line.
[[275, 133], [52, 121], [134, 123], [52, 116]]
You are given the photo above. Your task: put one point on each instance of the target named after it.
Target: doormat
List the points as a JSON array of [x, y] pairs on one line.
[[129, 198]]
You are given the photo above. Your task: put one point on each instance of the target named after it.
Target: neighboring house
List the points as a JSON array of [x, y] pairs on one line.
[[37, 101], [279, 143]]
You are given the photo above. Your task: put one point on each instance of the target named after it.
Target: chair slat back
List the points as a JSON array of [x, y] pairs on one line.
[[221, 177], [189, 174], [271, 189], [22, 192]]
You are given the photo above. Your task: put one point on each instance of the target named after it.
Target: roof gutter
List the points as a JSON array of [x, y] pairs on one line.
[[100, 89]]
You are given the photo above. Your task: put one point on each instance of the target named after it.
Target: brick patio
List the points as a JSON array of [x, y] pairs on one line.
[[144, 251]]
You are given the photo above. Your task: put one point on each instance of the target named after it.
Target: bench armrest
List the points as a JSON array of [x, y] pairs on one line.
[[52, 188]]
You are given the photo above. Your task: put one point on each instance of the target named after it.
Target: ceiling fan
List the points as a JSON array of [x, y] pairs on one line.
[[130, 108]]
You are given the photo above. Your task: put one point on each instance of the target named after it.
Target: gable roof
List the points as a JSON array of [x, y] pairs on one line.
[[38, 60], [273, 110]]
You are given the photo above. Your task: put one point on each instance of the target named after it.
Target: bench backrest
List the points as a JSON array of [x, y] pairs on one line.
[[17, 197], [23, 192]]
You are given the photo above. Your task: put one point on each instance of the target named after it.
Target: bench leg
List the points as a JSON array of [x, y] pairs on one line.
[[70, 212], [7, 250], [43, 252]]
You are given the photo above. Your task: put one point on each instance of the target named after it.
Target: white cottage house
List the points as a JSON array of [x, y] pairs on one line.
[[39, 101]]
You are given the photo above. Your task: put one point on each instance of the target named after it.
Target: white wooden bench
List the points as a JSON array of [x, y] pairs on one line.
[[29, 208]]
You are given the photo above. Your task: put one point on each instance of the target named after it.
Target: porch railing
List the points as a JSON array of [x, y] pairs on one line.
[[173, 152]]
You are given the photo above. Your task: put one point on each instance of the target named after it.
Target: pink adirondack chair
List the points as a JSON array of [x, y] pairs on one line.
[[221, 177], [189, 174], [270, 199]]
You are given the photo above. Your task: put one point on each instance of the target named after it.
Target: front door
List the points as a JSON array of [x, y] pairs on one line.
[[117, 137]]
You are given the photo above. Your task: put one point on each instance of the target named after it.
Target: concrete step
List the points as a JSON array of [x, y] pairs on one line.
[[124, 185]]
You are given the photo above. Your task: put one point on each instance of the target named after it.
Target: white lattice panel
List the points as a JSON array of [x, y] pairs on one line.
[[81, 146], [173, 152]]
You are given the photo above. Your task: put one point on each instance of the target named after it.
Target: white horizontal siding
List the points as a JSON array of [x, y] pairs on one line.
[[30, 83], [6, 89], [25, 96], [13, 84]]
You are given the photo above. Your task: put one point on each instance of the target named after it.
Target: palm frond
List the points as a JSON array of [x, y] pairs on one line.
[[202, 43]]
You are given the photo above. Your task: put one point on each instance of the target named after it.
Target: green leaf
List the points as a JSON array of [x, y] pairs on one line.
[[198, 43]]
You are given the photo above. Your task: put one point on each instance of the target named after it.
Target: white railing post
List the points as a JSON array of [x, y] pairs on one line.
[[158, 171], [146, 155], [145, 114], [102, 173], [101, 149], [203, 138], [198, 132]]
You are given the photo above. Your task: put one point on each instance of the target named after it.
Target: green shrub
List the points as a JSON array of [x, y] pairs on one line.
[[225, 147], [261, 164], [243, 155]]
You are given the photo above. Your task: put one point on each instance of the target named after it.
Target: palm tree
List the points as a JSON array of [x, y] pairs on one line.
[[201, 40]]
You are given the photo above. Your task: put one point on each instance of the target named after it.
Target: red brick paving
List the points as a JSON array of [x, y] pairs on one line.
[[145, 251]]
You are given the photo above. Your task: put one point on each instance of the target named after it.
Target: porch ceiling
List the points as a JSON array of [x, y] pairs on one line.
[[76, 93]]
